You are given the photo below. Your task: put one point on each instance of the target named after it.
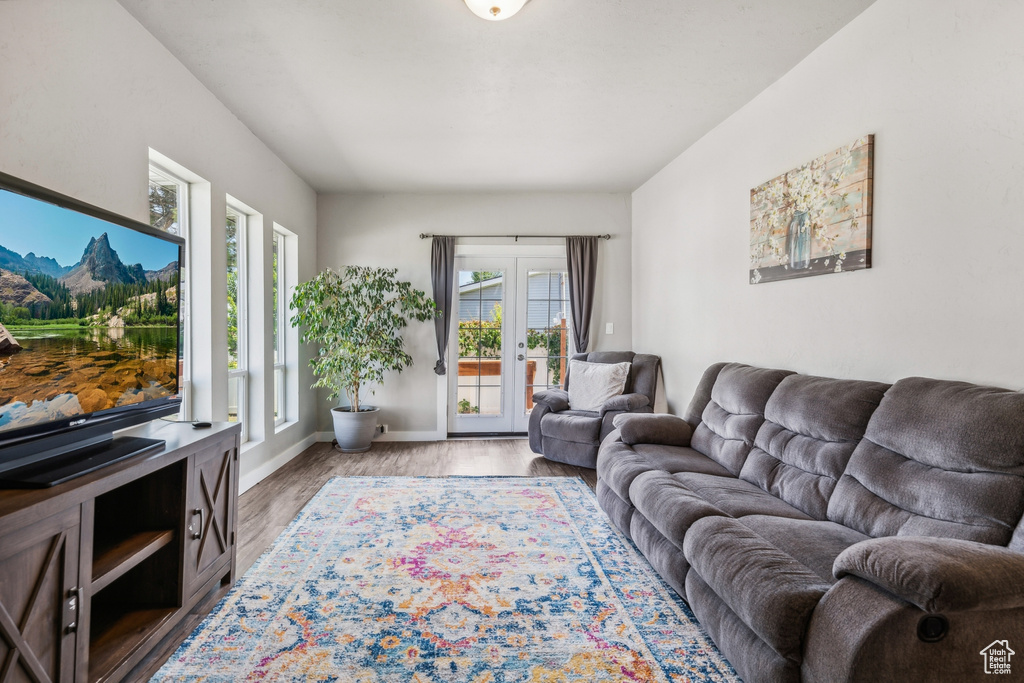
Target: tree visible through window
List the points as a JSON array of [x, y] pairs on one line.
[[238, 376], [279, 332]]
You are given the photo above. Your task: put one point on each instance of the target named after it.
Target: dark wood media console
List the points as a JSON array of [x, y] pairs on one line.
[[103, 576]]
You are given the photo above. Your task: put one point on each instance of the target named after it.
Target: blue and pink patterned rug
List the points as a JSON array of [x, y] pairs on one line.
[[484, 580]]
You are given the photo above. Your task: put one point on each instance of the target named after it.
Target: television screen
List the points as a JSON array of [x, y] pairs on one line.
[[88, 314]]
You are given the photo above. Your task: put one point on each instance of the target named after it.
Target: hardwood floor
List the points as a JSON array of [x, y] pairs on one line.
[[267, 508]]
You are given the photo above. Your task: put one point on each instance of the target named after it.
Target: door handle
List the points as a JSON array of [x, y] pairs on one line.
[[196, 535]]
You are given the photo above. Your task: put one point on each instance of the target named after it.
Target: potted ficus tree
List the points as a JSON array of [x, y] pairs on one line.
[[355, 318]]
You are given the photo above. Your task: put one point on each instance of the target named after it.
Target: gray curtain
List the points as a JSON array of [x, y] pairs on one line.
[[581, 253], [442, 277]]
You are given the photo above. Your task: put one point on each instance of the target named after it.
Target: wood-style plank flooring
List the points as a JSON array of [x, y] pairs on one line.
[[267, 508]]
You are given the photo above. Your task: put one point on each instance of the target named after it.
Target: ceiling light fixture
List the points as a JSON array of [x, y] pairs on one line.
[[495, 10]]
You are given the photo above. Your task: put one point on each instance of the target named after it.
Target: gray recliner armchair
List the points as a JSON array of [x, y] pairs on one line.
[[574, 436]]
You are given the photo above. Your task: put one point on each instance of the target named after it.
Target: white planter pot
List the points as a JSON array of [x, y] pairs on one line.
[[354, 431]]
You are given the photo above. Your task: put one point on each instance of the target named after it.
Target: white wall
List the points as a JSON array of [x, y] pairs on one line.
[[941, 85], [383, 230], [85, 92]]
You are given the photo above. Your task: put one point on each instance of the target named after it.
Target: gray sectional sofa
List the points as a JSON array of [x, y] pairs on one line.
[[833, 530]]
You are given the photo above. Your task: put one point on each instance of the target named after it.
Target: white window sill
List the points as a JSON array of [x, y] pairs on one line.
[[285, 425], [248, 446]]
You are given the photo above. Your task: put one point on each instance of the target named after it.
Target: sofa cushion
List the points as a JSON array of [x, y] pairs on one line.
[[938, 458], [772, 593], [735, 412], [595, 383], [736, 497], [812, 425], [578, 426], [814, 544], [619, 464], [664, 555], [753, 659], [668, 505], [619, 511]]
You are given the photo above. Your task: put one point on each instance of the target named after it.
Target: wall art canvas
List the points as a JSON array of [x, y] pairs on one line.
[[815, 219]]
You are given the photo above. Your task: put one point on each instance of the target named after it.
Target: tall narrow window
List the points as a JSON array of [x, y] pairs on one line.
[[238, 376], [168, 211], [280, 319]]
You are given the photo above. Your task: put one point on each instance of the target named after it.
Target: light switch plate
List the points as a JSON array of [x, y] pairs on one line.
[[609, 328]]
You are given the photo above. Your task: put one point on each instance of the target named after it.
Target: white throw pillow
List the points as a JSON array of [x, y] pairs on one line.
[[591, 384]]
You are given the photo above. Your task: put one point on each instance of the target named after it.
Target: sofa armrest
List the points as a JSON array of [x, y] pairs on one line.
[[668, 430], [555, 399], [938, 574], [624, 403]]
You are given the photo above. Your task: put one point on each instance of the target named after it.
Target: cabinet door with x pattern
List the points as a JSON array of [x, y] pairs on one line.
[[213, 492], [40, 601]]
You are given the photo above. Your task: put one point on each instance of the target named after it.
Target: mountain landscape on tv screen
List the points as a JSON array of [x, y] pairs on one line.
[[88, 336], [50, 291]]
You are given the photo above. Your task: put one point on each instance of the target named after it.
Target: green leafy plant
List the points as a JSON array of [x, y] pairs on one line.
[[355, 318], [482, 339], [466, 407]]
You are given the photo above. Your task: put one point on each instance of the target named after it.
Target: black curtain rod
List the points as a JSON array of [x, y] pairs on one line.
[[427, 235]]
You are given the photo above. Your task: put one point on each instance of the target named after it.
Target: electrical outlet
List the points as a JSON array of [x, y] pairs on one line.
[[383, 429], [609, 328]]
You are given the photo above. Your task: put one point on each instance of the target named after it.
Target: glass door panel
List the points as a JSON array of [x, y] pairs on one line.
[[541, 331], [481, 348]]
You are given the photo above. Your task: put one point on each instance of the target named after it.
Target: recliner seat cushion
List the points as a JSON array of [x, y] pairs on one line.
[[752, 658], [664, 555], [938, 458], [812, 543], [576, 426], [812, 426], [668, 505], [770, 591], [735, 412], [736, 497], [620, 464]]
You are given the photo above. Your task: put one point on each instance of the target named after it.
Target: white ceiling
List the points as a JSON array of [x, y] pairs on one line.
[[423, 96]]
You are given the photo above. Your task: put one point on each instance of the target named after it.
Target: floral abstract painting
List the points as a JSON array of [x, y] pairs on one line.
[[815, 219]]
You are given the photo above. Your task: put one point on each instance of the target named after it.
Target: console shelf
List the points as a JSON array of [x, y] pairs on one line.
[[117, 560], [123, 637]]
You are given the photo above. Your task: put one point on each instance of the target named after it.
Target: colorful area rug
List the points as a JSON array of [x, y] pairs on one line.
[[486, 580]]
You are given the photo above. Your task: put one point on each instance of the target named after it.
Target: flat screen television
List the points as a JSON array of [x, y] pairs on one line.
[[90, 334]]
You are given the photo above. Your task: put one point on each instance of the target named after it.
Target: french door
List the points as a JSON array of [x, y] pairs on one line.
[[510, 340]]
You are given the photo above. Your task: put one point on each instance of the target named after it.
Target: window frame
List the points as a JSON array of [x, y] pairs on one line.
[[184, 281], [279, 264]]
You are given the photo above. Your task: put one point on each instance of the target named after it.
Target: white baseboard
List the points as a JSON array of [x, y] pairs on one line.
[[250, 479], [327, 437]]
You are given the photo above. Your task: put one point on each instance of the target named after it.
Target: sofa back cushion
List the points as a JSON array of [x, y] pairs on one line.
[[735, 412], [938, 458], [812, 425]]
